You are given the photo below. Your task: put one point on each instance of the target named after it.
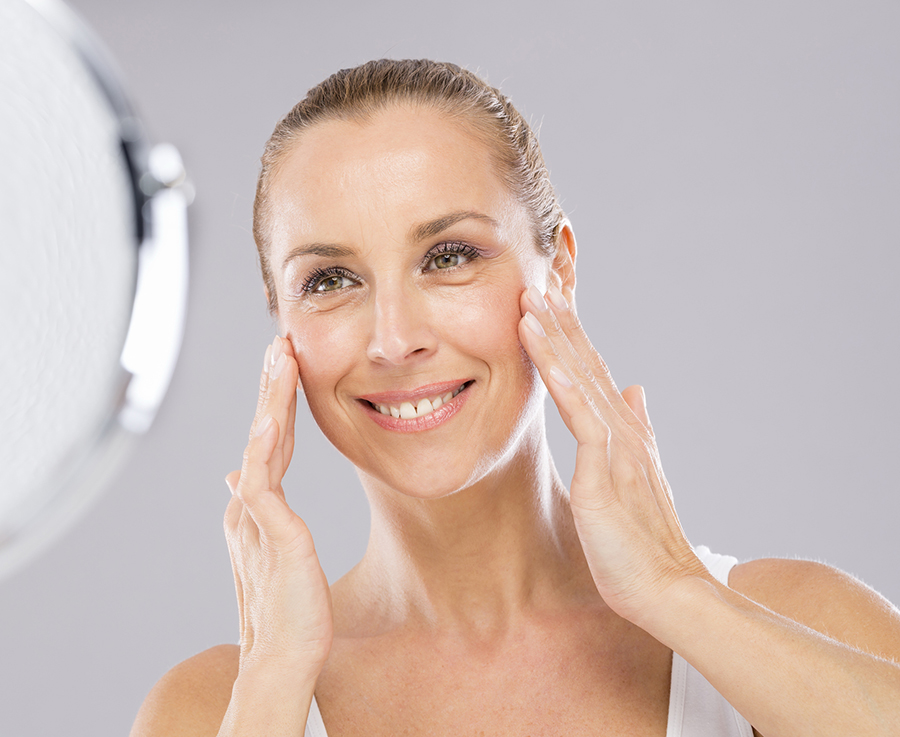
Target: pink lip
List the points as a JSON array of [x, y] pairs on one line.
[[429, 390], [417, 424]]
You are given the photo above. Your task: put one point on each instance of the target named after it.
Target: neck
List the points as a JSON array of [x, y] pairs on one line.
[[479, 559]]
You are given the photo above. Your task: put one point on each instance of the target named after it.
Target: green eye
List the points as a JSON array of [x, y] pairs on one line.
[[446, 260], [450, 256], [331, 283]]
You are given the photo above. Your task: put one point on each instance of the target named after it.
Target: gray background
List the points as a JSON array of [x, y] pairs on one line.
[[732, 174]]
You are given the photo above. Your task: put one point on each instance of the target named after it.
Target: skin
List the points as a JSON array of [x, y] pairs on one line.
[[492, 598]]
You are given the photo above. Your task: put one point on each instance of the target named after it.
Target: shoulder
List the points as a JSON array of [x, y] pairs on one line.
[[191, 699], [824, 599]]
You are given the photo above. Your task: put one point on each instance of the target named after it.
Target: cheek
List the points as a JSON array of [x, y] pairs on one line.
[[323, 349], [490, 321]]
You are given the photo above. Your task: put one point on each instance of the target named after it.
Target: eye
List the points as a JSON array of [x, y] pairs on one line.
[[331, 283], [322, 281], [446, 260], [450, 256]]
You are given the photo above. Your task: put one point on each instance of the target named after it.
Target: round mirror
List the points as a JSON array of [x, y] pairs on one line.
[[93, 273]]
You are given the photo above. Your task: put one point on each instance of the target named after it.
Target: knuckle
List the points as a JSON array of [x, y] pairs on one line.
[[602, 435], [573, 321], [263, 383], [632, 470], [586, 401], [554, 327]]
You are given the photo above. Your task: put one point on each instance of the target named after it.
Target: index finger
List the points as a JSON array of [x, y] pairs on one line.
[[574, 349], [280, 403]]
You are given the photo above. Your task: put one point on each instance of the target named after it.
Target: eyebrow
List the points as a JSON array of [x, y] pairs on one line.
[[433, 227], [327, 250], [419, 232]]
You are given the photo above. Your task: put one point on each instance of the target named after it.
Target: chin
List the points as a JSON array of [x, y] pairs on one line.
[[428, 481]]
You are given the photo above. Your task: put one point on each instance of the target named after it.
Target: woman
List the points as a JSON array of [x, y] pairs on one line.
[[422, 274]]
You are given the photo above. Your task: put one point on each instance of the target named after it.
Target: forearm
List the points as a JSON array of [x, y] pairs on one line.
[[268, 703], [784, 678]]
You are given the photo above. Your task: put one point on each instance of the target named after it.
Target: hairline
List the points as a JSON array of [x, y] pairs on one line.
[[470, 118]]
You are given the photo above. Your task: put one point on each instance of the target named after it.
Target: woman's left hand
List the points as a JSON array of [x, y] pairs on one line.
[[830, 665], [621, 502]]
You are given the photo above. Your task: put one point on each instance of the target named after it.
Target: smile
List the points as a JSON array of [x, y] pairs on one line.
[[420, 408]]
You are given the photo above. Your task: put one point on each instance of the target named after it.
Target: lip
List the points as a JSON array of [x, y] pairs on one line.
[[429, 390], [417, 424]]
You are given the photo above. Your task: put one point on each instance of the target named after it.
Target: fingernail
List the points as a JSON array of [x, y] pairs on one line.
[[267, 360], [279, 367], [556, 299], [277, 350], [263, 425], [532, 322], [536, 298], [559, 377], [228, 484]]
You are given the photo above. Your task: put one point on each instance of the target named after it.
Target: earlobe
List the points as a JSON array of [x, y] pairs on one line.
[[563, 269]]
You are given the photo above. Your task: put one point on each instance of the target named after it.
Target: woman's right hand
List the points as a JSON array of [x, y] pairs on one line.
[[283, 597]]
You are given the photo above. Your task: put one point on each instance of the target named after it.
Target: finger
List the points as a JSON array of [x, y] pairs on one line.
[[280, 404], [289, 437], [570, 391], [582, 360], [636, 400], [292, 409], [254, 478], [233, 514], [533, 301], [268, 520], [594, 453], [263, 389], [232, 479], [549, 348], [574, 331]]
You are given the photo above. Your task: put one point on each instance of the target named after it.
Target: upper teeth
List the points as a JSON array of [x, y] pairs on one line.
[[409, 410]]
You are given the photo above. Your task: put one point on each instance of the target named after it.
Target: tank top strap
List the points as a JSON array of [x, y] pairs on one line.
[[315, 727], [696, 709]]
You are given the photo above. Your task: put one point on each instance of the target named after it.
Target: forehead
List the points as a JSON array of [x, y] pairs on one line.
[[352, 180]]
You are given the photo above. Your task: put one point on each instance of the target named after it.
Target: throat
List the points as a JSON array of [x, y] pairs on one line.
[[476, 561]]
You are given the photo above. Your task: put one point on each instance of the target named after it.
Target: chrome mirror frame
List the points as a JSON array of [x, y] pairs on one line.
[[161, 194]]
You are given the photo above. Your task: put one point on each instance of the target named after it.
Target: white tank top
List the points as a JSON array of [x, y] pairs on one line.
[[696, 709]]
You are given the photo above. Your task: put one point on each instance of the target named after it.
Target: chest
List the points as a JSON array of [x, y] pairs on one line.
[[561, 687]]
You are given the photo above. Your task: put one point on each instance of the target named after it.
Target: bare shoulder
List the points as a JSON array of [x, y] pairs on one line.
[[825, 599], [191, 699]]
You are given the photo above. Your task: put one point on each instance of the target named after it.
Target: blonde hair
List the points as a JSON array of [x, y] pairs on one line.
[[359, 93]]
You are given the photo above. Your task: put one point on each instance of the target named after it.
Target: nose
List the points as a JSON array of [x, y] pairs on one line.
[[401, 329]]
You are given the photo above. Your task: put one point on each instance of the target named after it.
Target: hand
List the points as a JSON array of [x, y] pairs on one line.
[[283, 597], [620, 500]]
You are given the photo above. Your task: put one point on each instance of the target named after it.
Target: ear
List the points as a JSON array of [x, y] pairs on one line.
[[562, 270]]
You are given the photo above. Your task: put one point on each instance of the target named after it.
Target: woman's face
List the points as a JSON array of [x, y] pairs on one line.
[[399, 258]]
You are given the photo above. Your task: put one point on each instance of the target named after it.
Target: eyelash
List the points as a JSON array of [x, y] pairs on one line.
[[320, 274]]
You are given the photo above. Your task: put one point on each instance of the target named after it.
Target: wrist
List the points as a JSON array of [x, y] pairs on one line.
[[269, 699], [679, 606], [274, 673], [683, 607]]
